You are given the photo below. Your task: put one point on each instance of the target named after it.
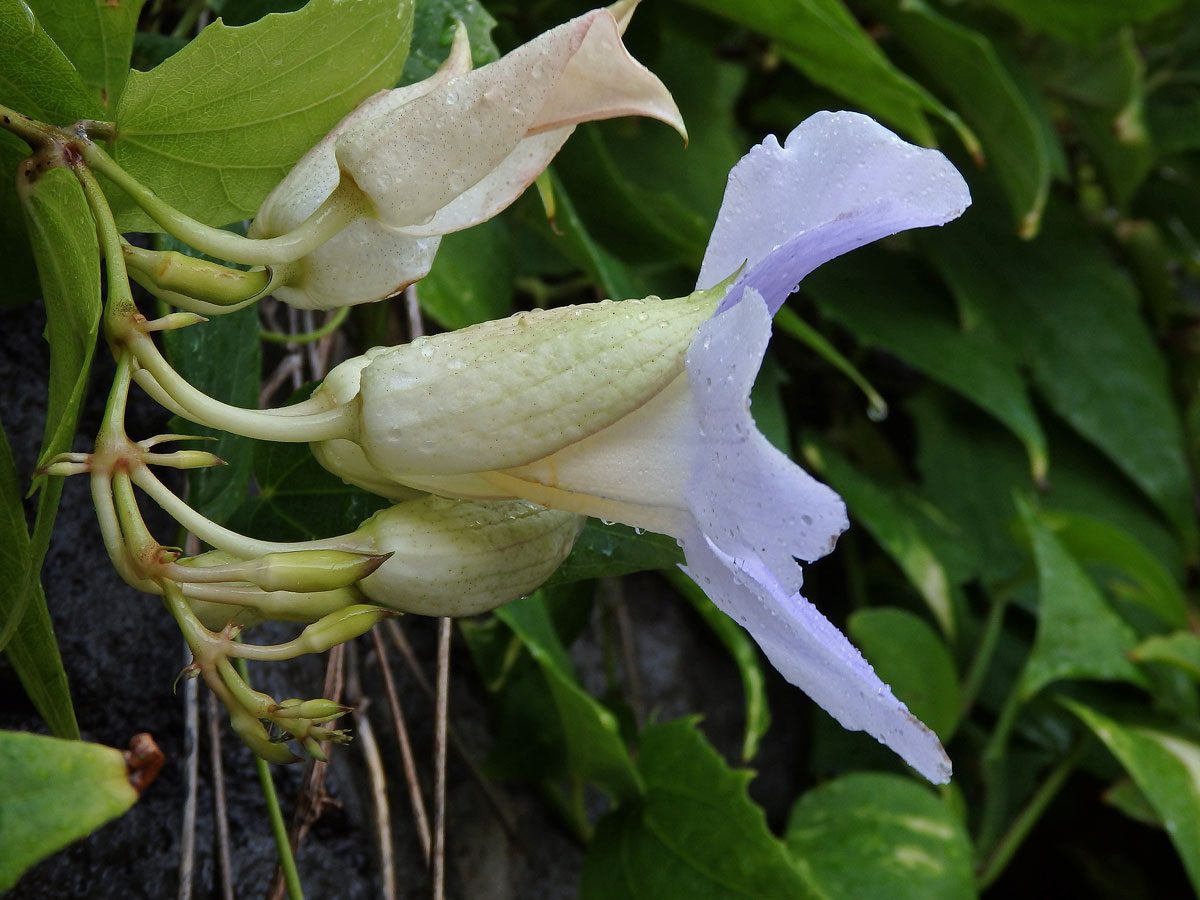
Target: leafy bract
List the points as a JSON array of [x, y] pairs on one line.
[[875, 835], [695, 833], [1079, 635], [823, 39], [55, 792], [97, 36], [1166, 766], [216, 126]]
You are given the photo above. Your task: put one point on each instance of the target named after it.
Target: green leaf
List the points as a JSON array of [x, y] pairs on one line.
[[1131, 572], [910, 657], [55, 792], [891, 521], [216, 126], [63, 237], [602, 550], [823, 40], [433, 32], [1079, 636], [571, 238], [471, 278], [1072, 316], [298, 499], [1166, 766], [694, 834], [1083, 23], [875, 835], [37, 80], [1106, 90], [913, 320], [965, 65], [595, 751], [32, 650], [97, 36], [745, 656], [1129, 799], [792, 325], [1180, 649]]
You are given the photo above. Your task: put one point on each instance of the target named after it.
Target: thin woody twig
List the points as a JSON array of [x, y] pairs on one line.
[[412, 306], [224, 861], [191, 729], [365, 740], [400, 639], [441, 717], [411, 779]]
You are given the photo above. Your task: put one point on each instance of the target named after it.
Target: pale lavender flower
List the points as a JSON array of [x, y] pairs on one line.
[[638, 412]]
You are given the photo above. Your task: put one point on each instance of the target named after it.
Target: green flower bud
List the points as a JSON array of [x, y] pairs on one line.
[[311, 570], [459, 557], [338, 627], [315, 710]]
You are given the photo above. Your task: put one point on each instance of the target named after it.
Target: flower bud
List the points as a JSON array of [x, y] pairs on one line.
[[458, 558], [339, 627], [318, 711], [509, 392], [451, 151], [311, 571]]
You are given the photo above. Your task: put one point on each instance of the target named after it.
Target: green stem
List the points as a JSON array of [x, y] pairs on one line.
[[119, 304], [196, 405], [36, 134], [222, 538], [792, 324], [982, 658], [287, 862], [1016, 833], [335, 322], [340, 208], [995, 772]]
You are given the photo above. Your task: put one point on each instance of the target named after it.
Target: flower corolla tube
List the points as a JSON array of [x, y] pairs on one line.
[[638, 411], [451, 151]]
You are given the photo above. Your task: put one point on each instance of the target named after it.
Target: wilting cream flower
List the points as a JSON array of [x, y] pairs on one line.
[[638, 411], [452, 151]]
